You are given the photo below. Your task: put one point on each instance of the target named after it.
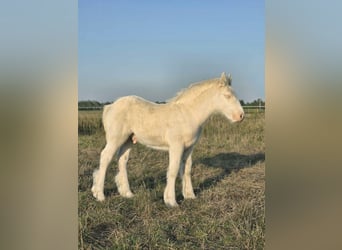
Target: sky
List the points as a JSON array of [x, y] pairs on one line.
[[154, 49]]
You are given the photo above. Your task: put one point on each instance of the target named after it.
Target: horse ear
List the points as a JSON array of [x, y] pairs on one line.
[[226, 80], [229, 80], [223, 78]]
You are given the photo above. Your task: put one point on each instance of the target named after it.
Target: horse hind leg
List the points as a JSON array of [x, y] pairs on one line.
[[121, 178], [114, 141], [100, 173]]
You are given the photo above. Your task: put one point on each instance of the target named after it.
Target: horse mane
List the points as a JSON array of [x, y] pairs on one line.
[[193, 90]]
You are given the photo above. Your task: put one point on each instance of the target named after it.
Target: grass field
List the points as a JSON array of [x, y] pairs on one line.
[[228, 176]]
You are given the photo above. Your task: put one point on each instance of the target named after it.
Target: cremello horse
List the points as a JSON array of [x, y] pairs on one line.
[[174, 126]]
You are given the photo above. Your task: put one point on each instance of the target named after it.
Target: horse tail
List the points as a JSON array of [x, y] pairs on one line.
[[104, 115]]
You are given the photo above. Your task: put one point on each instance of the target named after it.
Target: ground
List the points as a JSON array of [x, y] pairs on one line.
[[228, 178]]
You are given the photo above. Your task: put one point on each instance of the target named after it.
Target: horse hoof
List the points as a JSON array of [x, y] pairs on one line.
[[189, 195], [98, 195], [171, 204], [128, 195]]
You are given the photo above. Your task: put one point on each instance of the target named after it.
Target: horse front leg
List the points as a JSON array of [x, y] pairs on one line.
[[187, 189], [175, 156]]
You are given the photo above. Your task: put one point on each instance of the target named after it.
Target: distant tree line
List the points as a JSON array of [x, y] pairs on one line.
[[86, 105], [257, 102]]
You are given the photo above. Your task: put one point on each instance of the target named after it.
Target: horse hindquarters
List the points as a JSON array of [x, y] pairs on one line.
[[116, 136]]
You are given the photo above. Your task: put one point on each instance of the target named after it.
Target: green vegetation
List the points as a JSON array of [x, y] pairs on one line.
[[257, 102], [91, 105], [229, 181]]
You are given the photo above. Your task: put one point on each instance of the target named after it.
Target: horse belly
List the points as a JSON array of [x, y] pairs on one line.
[[149, 122], [151, 141], [162, 148]]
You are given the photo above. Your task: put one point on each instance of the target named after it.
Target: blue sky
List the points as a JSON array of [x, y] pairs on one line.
[[155, 48]]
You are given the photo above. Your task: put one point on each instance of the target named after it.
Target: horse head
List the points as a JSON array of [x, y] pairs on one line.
[[227, 102]]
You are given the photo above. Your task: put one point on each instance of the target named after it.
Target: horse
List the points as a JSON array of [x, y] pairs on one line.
[[174, 126]]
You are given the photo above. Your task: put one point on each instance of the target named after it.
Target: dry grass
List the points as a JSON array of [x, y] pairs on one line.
[[228, 179], [89, 122]]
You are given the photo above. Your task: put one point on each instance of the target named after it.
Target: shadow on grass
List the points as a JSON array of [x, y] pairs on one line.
[[98, 236], [228, 162]]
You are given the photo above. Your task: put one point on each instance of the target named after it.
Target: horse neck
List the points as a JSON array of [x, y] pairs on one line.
[[202, 106]]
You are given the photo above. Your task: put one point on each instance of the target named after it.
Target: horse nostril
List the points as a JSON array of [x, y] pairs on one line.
[[241, 116]]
